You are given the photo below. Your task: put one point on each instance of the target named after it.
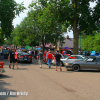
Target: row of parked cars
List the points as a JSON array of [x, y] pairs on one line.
[[72, 62], [80, 62]]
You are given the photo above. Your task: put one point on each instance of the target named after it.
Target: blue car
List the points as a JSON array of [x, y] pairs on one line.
[[93, 53]]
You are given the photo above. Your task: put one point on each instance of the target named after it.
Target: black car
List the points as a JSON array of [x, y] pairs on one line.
[[23, 56]]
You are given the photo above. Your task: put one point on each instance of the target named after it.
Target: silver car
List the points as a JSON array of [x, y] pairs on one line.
[[63, 57], [91, 63], [74, 58]]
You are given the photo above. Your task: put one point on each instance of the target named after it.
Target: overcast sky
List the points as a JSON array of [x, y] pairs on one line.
[[19, 18]]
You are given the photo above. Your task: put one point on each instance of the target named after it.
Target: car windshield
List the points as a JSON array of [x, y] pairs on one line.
[[65, 56], [23, 53], [85, 59]]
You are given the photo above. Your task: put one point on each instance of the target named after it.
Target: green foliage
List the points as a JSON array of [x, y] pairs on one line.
[[1, 37], [91, 43], [8, 10]]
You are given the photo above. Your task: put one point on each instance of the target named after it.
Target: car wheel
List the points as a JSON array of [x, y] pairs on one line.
[[30, 62], [76, 68]]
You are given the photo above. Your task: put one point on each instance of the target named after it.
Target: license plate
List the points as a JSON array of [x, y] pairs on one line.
[[25, 59]]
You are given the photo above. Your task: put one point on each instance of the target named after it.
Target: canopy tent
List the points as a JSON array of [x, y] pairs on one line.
[[38, 48], [22, 48], [66, 48], [27, 47]]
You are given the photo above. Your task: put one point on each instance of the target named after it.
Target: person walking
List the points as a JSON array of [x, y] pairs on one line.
[[57, 58], [40, 58], [49, 57], [88, 54], [44, 56], [11, 57], [16, 59]]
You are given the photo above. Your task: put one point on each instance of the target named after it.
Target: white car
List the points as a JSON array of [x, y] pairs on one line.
[[72, 58], [63, 57]]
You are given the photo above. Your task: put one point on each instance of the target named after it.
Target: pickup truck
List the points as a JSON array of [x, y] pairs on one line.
[[1, 67]]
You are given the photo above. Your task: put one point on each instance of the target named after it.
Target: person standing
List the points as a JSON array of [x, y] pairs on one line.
[[30, 52], [11, 57], [49, 57], [36, 52], [40, 58], [45, 56], [57, 58], [4, 53], [88, 54], [85, 52], [16, 59]]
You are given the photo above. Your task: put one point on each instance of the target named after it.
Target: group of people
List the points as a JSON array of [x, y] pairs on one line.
[[47, 57], [85, 54], [13, 57]]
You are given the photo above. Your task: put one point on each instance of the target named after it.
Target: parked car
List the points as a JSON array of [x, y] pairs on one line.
[[93, 53], [91, 63], [64, 56], [23, 56], [72, 58]]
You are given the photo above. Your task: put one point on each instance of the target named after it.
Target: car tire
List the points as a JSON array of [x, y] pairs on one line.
[[76, 68], [30, 62]]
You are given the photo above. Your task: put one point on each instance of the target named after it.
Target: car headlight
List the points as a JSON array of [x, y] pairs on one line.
[[67, 63]]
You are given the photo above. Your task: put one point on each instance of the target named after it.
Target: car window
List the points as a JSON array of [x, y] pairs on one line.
[[65, 56], [78, 57], [91, 60], [72, 57], [98, 59]]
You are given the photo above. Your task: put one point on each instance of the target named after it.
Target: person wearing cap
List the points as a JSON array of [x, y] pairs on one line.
[[40, 58], [57, 58], [49, 57]]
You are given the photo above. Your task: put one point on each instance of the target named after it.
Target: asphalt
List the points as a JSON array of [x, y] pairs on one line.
[[45, 84]]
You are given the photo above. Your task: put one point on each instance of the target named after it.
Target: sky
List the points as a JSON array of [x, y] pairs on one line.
[[19, 18]]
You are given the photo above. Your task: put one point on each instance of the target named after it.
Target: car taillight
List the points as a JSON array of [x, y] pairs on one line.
[[25, 55], [21, 56], [29, 56]]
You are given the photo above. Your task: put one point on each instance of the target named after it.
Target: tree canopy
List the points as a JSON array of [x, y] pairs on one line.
[[8, 10]]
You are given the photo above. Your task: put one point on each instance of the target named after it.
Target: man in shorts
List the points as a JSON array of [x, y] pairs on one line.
[[40, 58], [11, 57], [57, 58]]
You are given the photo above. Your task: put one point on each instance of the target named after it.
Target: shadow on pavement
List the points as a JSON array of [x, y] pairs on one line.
[[84, 71], [4, 76], [89, 71], [22, 69], [4, 92], [48, 68]]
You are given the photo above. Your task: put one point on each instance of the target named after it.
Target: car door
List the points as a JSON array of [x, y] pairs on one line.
[[90, 65], [79, 58]]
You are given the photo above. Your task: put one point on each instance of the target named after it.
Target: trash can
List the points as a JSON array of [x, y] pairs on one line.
[[1, 64], [1, 67]]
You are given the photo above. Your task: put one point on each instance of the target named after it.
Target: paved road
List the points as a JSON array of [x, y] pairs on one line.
[[46, 84]]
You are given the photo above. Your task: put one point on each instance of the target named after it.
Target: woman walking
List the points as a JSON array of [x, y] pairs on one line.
[[16, 59]]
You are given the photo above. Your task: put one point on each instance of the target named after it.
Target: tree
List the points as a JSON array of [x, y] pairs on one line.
[[47, 28], [76, 14], [91, 43], [8, 10]]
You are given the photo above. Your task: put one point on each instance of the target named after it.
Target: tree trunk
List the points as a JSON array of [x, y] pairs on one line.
[[76, 36], [43, 44]]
